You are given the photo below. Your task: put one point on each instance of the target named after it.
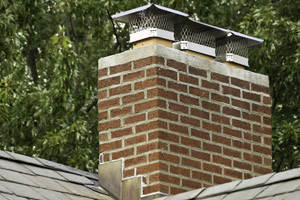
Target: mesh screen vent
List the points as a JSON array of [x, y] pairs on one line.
[[235, 45]]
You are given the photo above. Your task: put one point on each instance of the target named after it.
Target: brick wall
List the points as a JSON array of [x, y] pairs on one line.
[[182, 121]]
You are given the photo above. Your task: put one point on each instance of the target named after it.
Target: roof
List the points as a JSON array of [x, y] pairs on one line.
[[276, 186], [23, 177]]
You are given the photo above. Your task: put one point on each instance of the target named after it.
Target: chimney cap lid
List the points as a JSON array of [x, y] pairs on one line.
[[251, 41], [124, 16]]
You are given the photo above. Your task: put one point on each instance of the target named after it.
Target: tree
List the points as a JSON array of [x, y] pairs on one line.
[[48, 69]]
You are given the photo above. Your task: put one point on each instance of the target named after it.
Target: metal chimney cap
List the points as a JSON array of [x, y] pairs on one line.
[[125, 16], [251, 41]]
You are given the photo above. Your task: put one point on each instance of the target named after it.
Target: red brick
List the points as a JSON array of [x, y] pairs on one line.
[[148, 61], [222, 160], [163, 157], [169, 179], [102, 115], [210, 85], [261, 129], [177, 86], [199, 92], [268, 141], [167, 73], [267, 100], [233, 173], [211, 106], [156, 188], [240, 83], [211, 127], [202, 176], [262, 170], [120, 68], [109, 125], [149, 83], [220, 180], [251, 117], [231, 111], [252, 158], [260, 88], [200, 113], [152, 167], [220, 119], [155, 103], [135, 140], [191, 184], [241, 124], [135, 161], [108, 103], [241, 144], [261, 109], [197, 71], [128, 173], [103, 137], [177, 65], [120, 90], [219, 77], [232, 153], [167, 94], [189, 79], [179, 128], [220, 98], [190, 142], [175, 190], [200, 134], [241, 104], [150, 126], [231, 91], [133, 97], [267, 120], [190, 121], [262, 150], [102, 94], [179, 171], [221, 140], [252, 137], [212, 147], [267, 162], [232, 132], [163, 136], [179, 149], [123, 153], [251, 96], [167, 115], [242, 165], [247, 176], [134, 76], [212, 168], [153, 114], [189, 100], [191, 163], [179, 108], [102, 72], [110, 146], [150, 147], [134, 119], [121, 133], [201, 155], [120, 111]]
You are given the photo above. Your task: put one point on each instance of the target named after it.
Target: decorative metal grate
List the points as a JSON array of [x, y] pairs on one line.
[[193, 33], [234, 45], [151, 18]]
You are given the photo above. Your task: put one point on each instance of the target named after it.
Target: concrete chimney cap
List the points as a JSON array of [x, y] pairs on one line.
[[125, 16]]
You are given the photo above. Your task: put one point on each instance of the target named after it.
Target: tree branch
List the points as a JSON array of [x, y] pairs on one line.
[[75, 34], [114, 30], [280, 163], [91, 105], [32, 65], [67, 22]]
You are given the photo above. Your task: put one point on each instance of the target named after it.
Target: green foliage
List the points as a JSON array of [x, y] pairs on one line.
[[48, 69]]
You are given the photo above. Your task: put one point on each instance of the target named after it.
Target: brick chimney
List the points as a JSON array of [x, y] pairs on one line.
[[178, 122]]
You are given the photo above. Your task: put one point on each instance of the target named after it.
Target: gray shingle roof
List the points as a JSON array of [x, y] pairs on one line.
[[276, 186], [23, 177]]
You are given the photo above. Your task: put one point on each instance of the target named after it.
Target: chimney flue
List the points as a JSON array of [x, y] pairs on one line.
[[151, 24]]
